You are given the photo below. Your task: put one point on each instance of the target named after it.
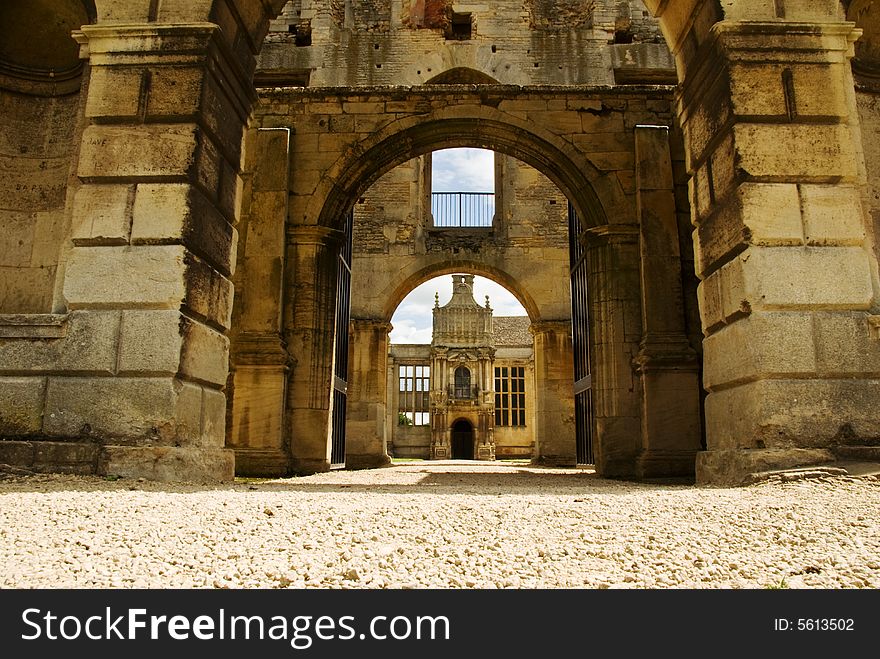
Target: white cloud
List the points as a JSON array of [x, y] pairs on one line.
[[463, 170], [413, 319]]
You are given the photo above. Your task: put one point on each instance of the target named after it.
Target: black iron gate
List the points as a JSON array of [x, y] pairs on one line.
[[340, 373], [580, 317]]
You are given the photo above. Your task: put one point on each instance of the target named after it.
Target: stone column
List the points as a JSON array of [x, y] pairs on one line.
[[260, 362], [309, 330], [365, 439], [789, 279], [153, 237], [615, 310], [666, 363], [554, 394]]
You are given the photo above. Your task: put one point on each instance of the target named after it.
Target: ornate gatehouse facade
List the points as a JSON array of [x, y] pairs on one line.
[[469, 394], [196, 279]]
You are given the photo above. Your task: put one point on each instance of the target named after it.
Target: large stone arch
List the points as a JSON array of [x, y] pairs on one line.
[[596, 195], [409, 278]]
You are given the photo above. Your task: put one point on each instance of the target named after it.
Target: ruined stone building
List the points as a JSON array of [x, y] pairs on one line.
[[470, 393], [211, 209]]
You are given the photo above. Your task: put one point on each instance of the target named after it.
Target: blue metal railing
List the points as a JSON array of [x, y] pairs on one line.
[[463, 209]]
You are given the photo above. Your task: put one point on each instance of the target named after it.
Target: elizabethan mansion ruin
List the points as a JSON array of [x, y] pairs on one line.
[[211, 210]]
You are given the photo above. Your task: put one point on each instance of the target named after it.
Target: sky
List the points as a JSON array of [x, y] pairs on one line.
[[453, 170], [412, 320], [463, 170]]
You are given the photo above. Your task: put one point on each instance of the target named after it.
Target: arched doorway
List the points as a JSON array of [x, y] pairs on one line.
[[462, 440]]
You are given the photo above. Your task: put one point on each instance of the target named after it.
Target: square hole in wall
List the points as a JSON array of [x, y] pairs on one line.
[[461, 27]]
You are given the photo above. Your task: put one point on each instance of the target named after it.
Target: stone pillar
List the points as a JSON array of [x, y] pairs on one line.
[[153, 241], [666, 363], [260, 362], [441, 448], [788, 277], [309, 330], [554, 394], [365, 439], [615, 310]]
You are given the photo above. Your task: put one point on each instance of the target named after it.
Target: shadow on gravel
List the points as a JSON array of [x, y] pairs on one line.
[[518, 482]]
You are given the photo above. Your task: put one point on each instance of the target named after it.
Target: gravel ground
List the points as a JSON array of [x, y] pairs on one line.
[[421, 524]]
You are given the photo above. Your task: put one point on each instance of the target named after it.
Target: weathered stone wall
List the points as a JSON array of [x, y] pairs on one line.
[[869, 117], [404, 42], [38, 145], [41, 76], [393, 233]]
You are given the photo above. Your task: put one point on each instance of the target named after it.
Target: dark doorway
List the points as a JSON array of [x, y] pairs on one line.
[[462, 440]]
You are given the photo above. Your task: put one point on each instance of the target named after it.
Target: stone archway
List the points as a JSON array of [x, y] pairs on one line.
[[552, 140]]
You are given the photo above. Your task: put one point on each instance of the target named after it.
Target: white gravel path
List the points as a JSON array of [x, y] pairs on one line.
[[439, 525]]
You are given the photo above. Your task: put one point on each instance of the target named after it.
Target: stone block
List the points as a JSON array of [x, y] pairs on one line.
[[761, 345], [271, 149], [205, 353], [168, 464], [213, 418], [808, 278], [101, 214], [832, 215], [175, 92], [844, 345], [65, 457], [757, 90], [89, 346], [26, 290], [160, 410], [771, 212], [138, 151], [181, 213], [711, 307], [150, 342], [789, 413], [823, 151], [208, 292], [16, 453], [114, 92], [258, 407], [21, 406], [118, 277], [559, 122], [612, 161], [736, 467]]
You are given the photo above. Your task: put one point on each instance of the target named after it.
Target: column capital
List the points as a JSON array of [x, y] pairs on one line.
[[370, 325], [550, 326], [313, 234], [611, 234]]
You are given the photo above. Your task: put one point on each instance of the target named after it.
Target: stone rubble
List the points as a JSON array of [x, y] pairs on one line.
[[438, 525]]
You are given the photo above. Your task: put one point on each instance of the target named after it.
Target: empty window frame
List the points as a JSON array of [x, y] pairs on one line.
[[510, 396], [414, 394]]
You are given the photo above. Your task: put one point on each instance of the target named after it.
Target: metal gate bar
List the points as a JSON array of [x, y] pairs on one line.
[[580, 318], [343, 315]]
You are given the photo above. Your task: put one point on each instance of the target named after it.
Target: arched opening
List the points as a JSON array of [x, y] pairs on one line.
[[442, 369], [462, 440], [532, 214]]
